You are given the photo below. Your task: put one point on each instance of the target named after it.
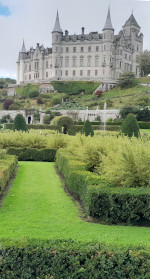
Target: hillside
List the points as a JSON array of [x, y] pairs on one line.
[[78, 95]]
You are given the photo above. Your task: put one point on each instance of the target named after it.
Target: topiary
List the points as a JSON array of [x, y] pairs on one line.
[[130, 126], [19, 123], [63, 122], [87, 128]]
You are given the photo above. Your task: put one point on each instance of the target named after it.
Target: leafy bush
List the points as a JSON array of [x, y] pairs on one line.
[[7, 166], [47, 119], [130, 126], [129, 109], [71, 259], [19, 123], [127, 79], [28, 154], [7, 103], [6, 119], [75, 87], [62, 122], [98, 93], [33, 93], [87, 129], [143, 115]]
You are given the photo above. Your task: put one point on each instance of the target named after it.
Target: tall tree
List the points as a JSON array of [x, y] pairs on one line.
[[143, 61], [130, 126]]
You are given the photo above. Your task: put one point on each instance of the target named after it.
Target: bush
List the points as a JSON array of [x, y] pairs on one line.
[[62, 122], [130, 126], [98, 93], [33, 154], [127, 80], [129, 109], [71, 260], [7, 166], [33, 93], [7, 103], [87, 129], [6, 119], [47, 119], [143, 115], [19, 123]]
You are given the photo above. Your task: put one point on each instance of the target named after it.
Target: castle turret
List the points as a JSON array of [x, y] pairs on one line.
[[56, 42], [108, 37], [20, 64], [131, 26]]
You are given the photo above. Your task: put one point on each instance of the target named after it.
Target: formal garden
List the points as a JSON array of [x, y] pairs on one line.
[[78, 206]]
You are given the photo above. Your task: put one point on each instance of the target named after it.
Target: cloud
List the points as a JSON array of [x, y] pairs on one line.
[[4, 10], [33, 21]]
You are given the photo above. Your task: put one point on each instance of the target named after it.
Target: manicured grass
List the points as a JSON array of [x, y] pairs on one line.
[[38, 207], [146, 131]]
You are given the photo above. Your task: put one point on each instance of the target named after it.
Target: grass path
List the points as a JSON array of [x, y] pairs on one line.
[[38, 207]]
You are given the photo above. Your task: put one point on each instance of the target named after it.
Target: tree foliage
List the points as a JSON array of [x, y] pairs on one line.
[[87, 129], [19, 123], [143, 115], [130, 126], [63, 122], [143, 61], [129, 109], [7, 103], [127, 79]]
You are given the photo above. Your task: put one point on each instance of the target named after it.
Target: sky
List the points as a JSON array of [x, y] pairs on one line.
[[33, 21]]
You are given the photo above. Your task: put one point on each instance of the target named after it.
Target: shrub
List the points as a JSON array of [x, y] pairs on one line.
[[6, 119], [33, 93], [33, 154], [87, 129], [39, 101], [129, 109], [127, 79], [130, 126], [7, 103], [62, 122], [47, 119], [98, 93], [143, 115], [72, 259], [19, 123]]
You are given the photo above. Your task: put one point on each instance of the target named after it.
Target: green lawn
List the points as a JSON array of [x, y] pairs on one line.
[[38, 207], [146, 131]]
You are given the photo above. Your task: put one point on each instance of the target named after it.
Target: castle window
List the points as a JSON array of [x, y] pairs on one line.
[[25, 67], [137, 47], [104, 59], [74, 62], [81, 61], [66, 73], [61, 49], [104, 36], [46, 74], [103, 72], [96, 61], [96, 72], [56, 38], [29, 77], [56, 49], [61, 73], [74, 73], [104, 47], [67, 49], [61, 61], [67, 62], [81, 73], [46, 64], [130, 57], [36, 65], [120, 51], [29, 67], [120, 64], [82, 49], [89, 61], [125, 56], [89, 49], [88, 73], [74, 49], [97, 48], [56, 73]]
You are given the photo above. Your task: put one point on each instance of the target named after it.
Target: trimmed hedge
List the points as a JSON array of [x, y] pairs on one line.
[[71, 260], [33, 154], [100, 199], [75, 87], [31, 126], [144, 125], [7, 170]]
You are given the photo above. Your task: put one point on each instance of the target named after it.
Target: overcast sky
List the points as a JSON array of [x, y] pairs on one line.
[[33, 21]]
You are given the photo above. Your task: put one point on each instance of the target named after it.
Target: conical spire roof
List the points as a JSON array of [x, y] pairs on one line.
[[57, 27], [108, 24], [23, 47], [131, 21]]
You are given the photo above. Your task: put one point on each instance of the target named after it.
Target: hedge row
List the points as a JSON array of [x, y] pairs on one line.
[[7, 170], [32, 126], [71, 260], [33, 154], [101, 200]]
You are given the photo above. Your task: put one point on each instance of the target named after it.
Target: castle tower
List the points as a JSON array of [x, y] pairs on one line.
[[108, 37], [20, 64], [56, 48]]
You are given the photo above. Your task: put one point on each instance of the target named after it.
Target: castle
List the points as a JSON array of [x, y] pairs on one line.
[[94, 56]]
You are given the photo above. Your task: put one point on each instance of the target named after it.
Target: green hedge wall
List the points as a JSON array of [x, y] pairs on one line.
[[71, 260], [75, 87], [33, 154], [7, 170], [100, 199], [144, 125], [32, 126]]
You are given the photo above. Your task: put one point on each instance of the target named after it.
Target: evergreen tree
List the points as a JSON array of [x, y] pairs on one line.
[[130, 126], [87, 129], [19, 123]]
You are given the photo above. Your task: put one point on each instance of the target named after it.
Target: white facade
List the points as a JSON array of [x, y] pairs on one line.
[[94, 56]]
